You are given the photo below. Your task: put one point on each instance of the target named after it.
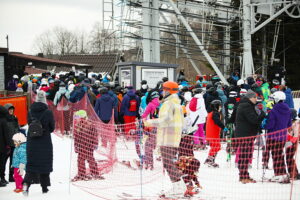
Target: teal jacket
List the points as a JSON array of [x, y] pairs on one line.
[[19, 156]]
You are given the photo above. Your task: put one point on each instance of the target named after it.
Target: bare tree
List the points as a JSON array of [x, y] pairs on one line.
[[81, 42], [44, 43], [64, 40]]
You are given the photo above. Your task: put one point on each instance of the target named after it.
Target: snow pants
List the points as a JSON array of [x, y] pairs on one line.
[[245, 155], [169, 157], [129, 124], [278, 157], [18, 179], [215, 147], [290, 161], [199, 135], [87, 155]]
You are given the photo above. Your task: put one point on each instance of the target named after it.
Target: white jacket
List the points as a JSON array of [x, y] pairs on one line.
[[201, 110]]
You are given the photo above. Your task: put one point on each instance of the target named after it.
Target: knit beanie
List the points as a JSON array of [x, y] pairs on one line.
[[41, 97], [250, 94]]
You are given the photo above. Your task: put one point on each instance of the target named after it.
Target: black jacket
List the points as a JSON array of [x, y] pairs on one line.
[[13, 128], [247, 120], [40, 150], [4, 138]]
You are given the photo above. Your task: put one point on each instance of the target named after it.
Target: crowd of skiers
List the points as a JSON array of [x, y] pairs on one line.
[[179, 118]]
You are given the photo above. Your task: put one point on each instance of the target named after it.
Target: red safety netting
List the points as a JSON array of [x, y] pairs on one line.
[[123, 161]]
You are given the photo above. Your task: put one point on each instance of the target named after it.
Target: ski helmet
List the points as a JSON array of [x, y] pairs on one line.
[[171, 87], [279, 96]]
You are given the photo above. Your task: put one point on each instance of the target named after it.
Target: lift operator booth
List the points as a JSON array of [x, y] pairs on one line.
[[132, 73]]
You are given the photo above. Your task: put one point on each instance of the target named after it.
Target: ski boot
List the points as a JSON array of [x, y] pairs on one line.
[[189, 191], [210, 161]]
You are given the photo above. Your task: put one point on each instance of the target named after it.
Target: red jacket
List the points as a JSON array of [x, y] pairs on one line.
[[213, 125]]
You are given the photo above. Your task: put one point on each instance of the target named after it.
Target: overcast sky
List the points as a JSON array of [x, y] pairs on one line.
[[23, 20]]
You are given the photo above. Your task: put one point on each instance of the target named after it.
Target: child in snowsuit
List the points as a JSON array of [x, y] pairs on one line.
[[85, 142], [19, 160], [214, 126], [188, 164]]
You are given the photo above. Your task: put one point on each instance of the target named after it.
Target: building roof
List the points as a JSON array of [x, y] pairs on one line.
[[148, 64], [49, 61], [33, 70], [100, 63]]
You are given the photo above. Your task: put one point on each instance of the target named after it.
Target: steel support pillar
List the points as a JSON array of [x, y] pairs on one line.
[[248, 67], [197, 41], [151, 36]]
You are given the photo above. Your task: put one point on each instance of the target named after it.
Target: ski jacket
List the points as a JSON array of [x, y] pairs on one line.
[[247, 119], [200, 110], [19, 156], [151, 108], [125, 104], [169, 122], [265, 89], [279, 119], [104, 107], [213, 125], [59, 93]]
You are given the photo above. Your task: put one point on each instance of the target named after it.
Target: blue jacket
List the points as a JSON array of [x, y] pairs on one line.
[[279, 118], [125, 104], [77, 95], [222, 96], [289, 98], [19, 156], [104, 107], [114, 97]]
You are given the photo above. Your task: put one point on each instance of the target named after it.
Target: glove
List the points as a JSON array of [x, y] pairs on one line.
[[21, 169]]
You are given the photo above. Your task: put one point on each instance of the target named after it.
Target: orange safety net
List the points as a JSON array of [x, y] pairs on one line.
[[123, 161]]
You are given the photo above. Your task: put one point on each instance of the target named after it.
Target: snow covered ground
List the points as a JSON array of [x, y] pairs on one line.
[[124, 183]]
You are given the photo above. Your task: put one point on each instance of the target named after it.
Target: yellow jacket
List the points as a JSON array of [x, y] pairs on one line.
[[169, 122]]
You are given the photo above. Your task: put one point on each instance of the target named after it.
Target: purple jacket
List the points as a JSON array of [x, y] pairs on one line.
[[125, 104], [279, 118], [12, 85]]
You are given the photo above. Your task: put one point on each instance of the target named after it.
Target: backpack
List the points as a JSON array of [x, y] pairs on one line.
[[193, 104], [132, 104], [35, 128]]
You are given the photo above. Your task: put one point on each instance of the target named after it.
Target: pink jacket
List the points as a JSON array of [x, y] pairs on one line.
[[151, 107]]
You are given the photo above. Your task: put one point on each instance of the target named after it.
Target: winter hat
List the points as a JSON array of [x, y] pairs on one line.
[[41, 97], [188, 96], [243, 92], [81, 114], [233, 94], [15, 76], [144, 82], [51, 80], [250, 94], [9, 106], [19, 137]]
